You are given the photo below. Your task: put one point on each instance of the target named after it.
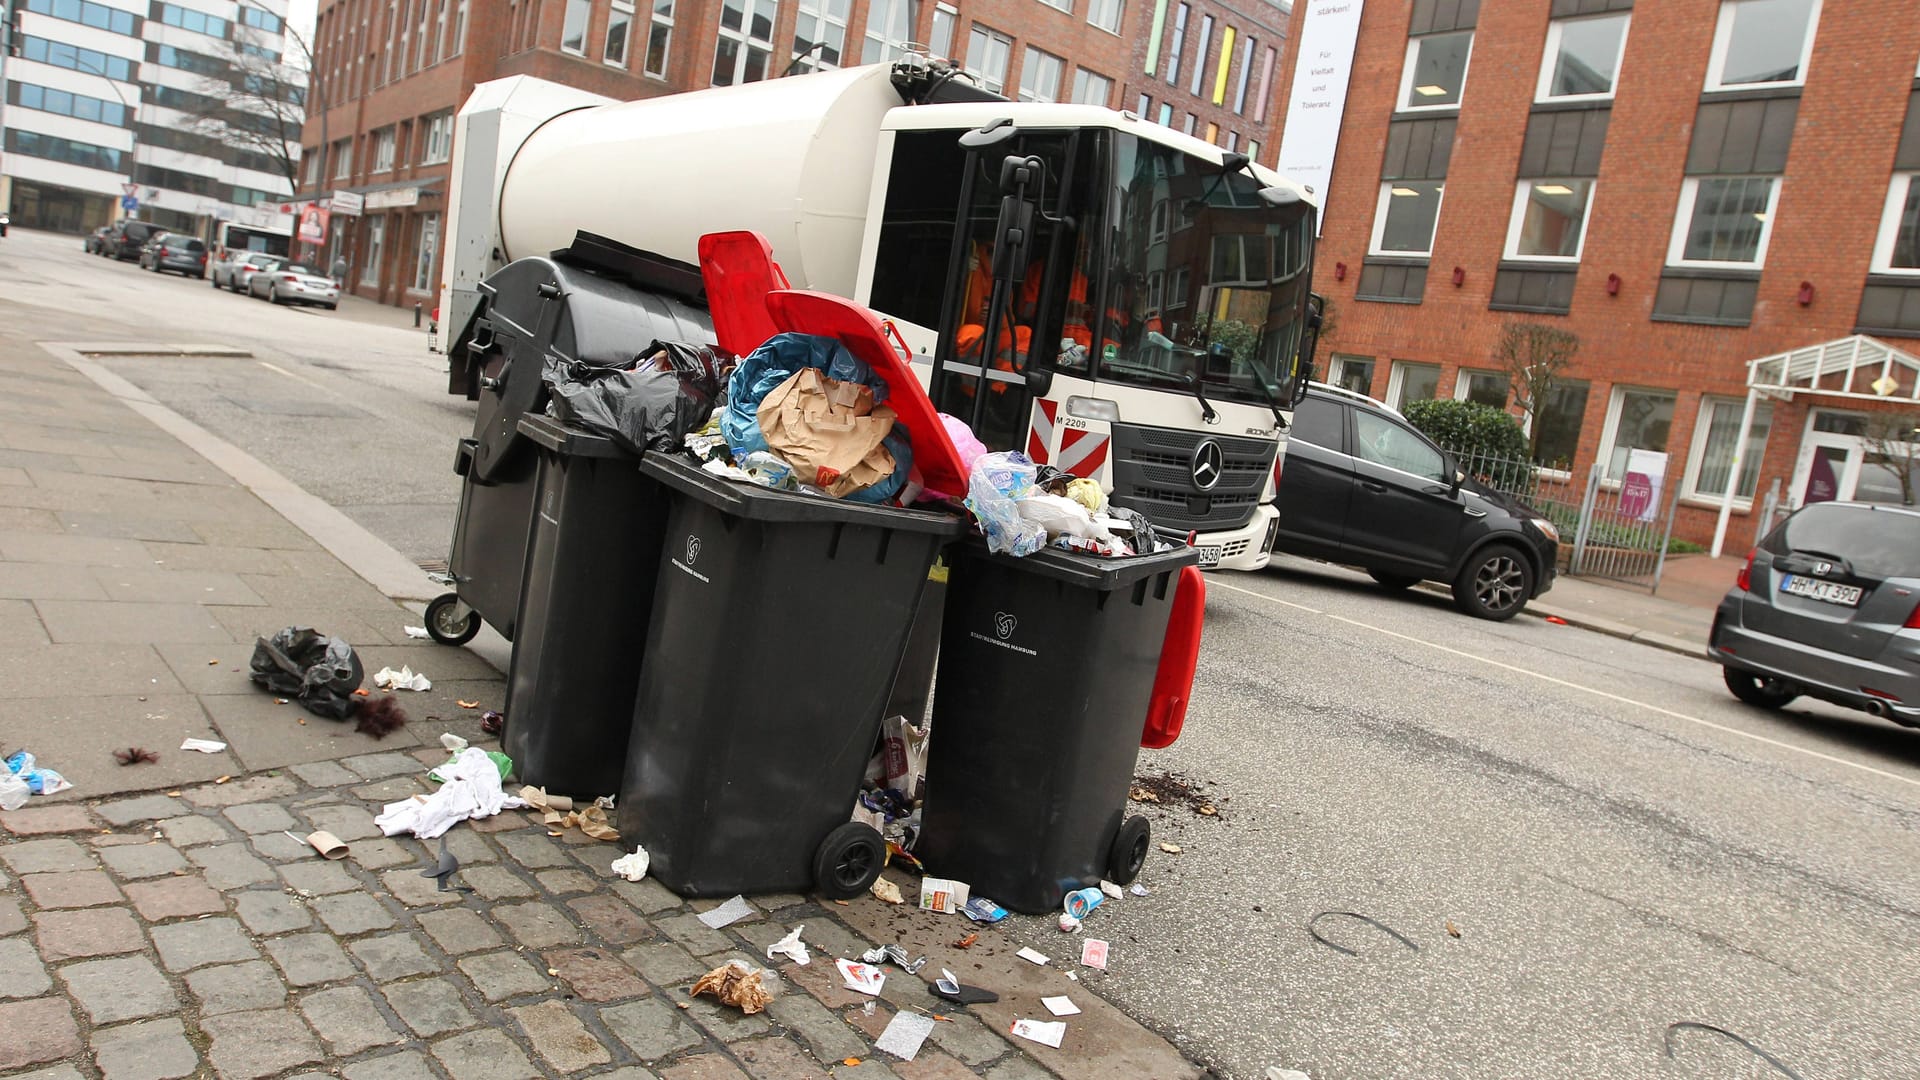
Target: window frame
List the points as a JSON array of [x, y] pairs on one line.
[[1413, 55], [616, 9], [1610, 430], [950, 23], [384, 149], [1397, 381], [1697, 450], [1380, 220], [824, 21], [659, 18], [1032, 63], [990, 37], [1463, 384], [1555, 31], [1200, 55], [1117, 7], [1060, 5], [1883, 242], [584, 9], [1723, 40], [1337, 370], [440, 124], [425, 253], [1080, 85], [1683, 224], [376, 240], [745, 44], [875, 47], [1523, 191], [1177, 43]]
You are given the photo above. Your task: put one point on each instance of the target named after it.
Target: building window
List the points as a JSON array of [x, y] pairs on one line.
[[1897, 251], [745, 41], [987, 53], [260, 19], [376, 239], [60, 54], [457, 38], [1233, 140], [1711, 459], [1353, 373], [1178, 43], [659, 38], [184, 60], [1549, 219], [383, 150], [78, 106], [819, 33], [343, 159], [1105, 14], [54, 148], [944, 20], [1261, 96], [1410, 382], [1557, 422], [1636, 420], [85, 12], [1246, 74], [1188, 124], [1762, 43], [1253, 150], [1200, 56], [1144, 106], [1213, 133], [1436, 71], [1166, 115], [889, 27], [310, 167], [619, 29], [1091, 89], [1403, 222], [573, 30], [1223, 67], [1482, 388], [1177, 288], [1063, 5], [439, 139], [1040, 76], [1724, 221], [1583, 58], [184, 18]]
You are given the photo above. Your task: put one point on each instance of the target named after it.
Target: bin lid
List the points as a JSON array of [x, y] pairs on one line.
[[1084, 571], [739, 271], [563, 438], [756, 503]]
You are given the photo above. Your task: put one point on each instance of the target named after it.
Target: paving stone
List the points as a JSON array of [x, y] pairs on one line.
[[392, 956], [109, 991], [174, 897], [259, 817], [559, 1037], [502, 975], [237, 988], [323, 774], [495, 882], [596, 974], [191, 829], [483, 1055], [377, 766], [631, 1072], [144, 808], [509, 820], [22, 973], [968, 1039], [258, 788], [147, 860], [249, 1045], [184, 946], [310, 959], [776, 901], [48, 820], [11, 920], [665, 964], [703, 1067], [931, 1064], [37, 1031], [1018, 1068], [534, 850], [319, 877], [148, 1050], [71, 935], [774, 1058], [349, 823], [724, 1022], [382, 853], [651, 1028], [613, 921], [459, 930], [230, 866], [537, 925], [695, 936], [392, 789], [410, 1065], [52, 1072], [825, 1032], [281, 847], [565, 882], [348, 914], [429, 1006], [470, 847], [72, 889], [266, 913], [413, 890], [347, 1020], [648, 895], [46, 857]]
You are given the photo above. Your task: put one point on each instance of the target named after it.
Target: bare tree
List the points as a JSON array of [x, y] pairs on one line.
[[260, 103], [1533, 356], [1894, 440]]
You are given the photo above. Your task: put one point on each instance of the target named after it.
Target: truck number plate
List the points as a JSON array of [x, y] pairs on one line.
[[1209, 555], [1825, 591]]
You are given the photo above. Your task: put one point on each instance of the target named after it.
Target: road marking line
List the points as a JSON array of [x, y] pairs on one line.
[[1216, 583], [290, 375]]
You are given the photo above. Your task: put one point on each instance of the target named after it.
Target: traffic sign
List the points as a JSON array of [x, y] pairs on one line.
[[129, 203], [129, 189]]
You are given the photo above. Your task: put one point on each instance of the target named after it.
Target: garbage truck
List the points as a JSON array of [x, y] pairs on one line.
[[1115, 298]]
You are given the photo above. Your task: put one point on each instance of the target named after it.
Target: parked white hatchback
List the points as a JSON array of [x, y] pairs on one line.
[[292, 283]]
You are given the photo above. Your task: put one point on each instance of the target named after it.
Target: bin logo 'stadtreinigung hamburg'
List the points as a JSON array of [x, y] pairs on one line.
[[1003, 624], [693, 549]]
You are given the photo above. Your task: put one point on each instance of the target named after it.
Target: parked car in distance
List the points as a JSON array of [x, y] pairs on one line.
[[233, 273], [127, 239], [1828, 606], [283, 282], [97, 240], [178, 252], [1361, 487]]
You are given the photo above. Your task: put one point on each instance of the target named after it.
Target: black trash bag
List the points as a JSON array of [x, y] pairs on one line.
[[651, 406], [320, 672], [1144, 536]]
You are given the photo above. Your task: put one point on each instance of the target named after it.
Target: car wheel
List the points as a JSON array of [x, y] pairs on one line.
[[1494, 584], [333, 307], [1396, 582], [1759, 690]]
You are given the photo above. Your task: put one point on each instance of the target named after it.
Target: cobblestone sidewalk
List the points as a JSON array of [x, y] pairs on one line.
[[187, 934]]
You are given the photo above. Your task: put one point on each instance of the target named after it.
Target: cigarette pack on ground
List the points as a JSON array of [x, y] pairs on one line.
[[943, 895]]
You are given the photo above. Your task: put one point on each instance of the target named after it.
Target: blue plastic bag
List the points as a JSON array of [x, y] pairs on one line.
[[761, 371], [39, 781]]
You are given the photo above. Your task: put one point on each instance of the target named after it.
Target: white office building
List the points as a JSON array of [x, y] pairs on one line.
[[186, 105]]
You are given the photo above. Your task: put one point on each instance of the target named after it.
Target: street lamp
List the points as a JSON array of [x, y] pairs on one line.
[[133, 128]]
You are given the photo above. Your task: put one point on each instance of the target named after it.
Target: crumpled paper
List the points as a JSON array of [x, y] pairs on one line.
[[404, 679], [887, 891], [736, 984], [633, 867], [792, 948], [558, 812]]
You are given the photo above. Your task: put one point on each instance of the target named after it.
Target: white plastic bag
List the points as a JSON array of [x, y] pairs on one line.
[[1061, 516], [13, 791], [994, 485]]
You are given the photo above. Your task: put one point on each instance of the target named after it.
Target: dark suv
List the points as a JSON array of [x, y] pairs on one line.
[[1361, 487], [127, 239]]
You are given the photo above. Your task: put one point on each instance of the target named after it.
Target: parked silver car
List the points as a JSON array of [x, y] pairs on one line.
[[233, 274], [282, 282], [1828, 606]]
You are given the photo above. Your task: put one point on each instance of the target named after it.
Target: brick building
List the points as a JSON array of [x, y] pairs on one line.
[[389, 75], [1686, 186]]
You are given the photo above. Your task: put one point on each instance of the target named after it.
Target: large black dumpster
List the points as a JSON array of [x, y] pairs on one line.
[[778, 625], [1046, 671], [591, 565]]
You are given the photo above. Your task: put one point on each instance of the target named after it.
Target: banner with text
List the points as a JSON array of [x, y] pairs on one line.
[[1318, 96]]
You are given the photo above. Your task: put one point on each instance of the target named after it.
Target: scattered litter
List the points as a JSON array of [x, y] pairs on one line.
[[1452, 930], [279, 701], [895, 953], [726, 914], [134, 755], [791, 947], [967, 942], [1207, 810], [1172, 789], [1093, 954], [1060, 1006], [417, 632], [949, 986], [1074, 975], [1171, 849], [328, 845], [559, 813], [363, 692], [1137, 889], [380, 718], [491, 722], [221, 779], [1033, 956], [904, 1035], [864, 978], [1069, 924], [452, 742], [301, 662], [1081, 902], [1369, 920], [501, 763], [943, 895], [736, 984], [852, 1062], [887, 891], [404, 679], [632, 867], [469, 789], [867, 1009], [554, 972], [1111, 889], [213, 663], [469, 705], [1558, 621], [22, 771], [1044, 1032], [205, 746], [982, 910], [443, 868]]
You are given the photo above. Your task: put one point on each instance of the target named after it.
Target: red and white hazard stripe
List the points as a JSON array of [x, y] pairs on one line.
[[1040, 436], [1082, 452]]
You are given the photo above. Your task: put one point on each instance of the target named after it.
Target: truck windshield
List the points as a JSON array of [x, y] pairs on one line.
[[1204, 278]]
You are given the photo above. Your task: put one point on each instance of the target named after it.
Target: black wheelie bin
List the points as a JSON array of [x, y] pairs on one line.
[[1046, 671], [778, 625]]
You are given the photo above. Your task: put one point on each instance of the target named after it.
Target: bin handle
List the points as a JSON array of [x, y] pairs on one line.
[[892, 331]]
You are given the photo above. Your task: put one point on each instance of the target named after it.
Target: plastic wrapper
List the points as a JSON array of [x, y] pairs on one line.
[[1062, 516], [301, 662], [995, 484], [39, 781], [1088, 494], [963, 440], [14, 791], [901, 763]]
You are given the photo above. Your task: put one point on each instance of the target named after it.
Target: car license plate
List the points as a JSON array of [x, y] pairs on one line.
[[1824, 591], [1209, 555]]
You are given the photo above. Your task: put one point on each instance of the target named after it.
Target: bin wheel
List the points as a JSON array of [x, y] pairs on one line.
[[445, 623], [1129, 851], [849, 860]]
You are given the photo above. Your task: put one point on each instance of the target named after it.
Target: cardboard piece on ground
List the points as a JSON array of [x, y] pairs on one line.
[[1060, 1006], [943, 895], [328, 845]]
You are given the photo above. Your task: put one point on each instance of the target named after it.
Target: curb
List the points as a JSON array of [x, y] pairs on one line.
[[1599, 625]]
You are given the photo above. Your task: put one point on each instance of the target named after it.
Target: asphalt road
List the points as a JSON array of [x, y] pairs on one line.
[[1619, 845]]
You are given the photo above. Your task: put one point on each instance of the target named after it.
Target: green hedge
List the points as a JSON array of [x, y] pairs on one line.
[[1469, 429]]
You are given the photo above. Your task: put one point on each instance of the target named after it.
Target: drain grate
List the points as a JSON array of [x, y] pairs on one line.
[[433, 566]]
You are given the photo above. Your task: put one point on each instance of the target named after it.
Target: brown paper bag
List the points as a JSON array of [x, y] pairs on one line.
[[829, 431]]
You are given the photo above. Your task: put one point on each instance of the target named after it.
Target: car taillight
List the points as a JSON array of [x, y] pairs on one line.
[[203, 258], [1913, 620], [1744, 579], [288, 278]]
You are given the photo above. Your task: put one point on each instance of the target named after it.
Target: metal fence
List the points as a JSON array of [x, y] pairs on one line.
[[1604, 532]]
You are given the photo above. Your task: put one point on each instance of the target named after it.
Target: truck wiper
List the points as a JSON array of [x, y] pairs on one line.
[[1279, 420], [1207, 413]]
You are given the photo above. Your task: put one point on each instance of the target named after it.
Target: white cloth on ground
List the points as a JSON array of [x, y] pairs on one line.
[[471, 791]]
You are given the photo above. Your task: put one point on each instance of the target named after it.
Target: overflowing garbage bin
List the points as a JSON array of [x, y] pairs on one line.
[[592, 559], [779, 621], [1046, 671]]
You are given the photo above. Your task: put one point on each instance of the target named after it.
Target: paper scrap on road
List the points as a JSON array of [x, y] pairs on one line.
[[1060, 1006], [417, 632], [865, 978], [1044, 1032], [1138, 889], [904, 1035], [404, 679], [943, 895], [887, 892], [632, 867], [1093, 953], [1111, 889], [726, 914], [1033, 956], [792, 948], [205, 746]]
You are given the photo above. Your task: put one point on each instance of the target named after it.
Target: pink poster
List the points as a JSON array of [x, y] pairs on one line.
[[1822, 485]]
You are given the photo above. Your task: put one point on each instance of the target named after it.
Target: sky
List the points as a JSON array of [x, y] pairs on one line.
[[300, 16]]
